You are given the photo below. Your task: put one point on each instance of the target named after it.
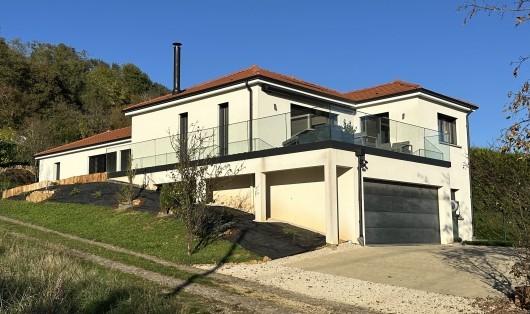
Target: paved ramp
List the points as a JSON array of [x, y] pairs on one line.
[[467, 271]]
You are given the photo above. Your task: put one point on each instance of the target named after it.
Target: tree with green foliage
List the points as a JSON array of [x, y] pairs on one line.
[[53, 94], [498, 194]]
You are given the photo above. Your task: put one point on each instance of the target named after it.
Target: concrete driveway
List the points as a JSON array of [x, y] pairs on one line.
[[467, 271]]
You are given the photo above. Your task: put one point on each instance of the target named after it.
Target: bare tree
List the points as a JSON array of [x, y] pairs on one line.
[[196, 175], [125, 195], [515, 138]]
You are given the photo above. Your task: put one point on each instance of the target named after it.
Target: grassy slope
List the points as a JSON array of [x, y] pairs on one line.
[[125, 258], [141, 232], [36, 279]]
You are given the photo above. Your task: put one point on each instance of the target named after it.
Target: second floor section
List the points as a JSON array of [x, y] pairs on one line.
[[259, 116]]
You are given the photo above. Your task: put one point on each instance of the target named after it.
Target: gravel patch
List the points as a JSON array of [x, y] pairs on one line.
[[375, 296]]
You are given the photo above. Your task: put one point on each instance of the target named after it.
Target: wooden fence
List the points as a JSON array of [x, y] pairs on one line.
[[95, 177]]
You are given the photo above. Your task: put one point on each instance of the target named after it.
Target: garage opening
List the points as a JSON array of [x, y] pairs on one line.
[[400, 213], [297, 197]]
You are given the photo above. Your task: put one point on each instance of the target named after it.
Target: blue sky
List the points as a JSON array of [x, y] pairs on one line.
[[343, 45]]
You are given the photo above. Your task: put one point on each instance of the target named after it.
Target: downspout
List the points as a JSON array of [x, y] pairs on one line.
[[250, 104], [360, 156], [469, 174]]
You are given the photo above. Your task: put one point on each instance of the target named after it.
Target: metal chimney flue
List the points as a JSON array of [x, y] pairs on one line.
[[176, 68]]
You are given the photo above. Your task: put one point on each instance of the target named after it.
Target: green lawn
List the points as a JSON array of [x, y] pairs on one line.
[[125, 258], [140, 232], [36, 278]]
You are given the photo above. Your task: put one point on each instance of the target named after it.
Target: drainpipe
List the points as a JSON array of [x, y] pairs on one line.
[[360, 165], [250, 104], [469, 174]]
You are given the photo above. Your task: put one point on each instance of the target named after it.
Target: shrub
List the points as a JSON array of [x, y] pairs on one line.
[[17, 177], [126, 193], [166, 199], [75, 190], [211, 221], [489, 243], [209, 224], [500, 186]]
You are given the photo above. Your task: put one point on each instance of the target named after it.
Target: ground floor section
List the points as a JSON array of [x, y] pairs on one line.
[[391, 201]]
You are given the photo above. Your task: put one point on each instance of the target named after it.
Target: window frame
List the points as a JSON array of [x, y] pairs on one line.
[[183, 134], [223, 129], [447, 129]]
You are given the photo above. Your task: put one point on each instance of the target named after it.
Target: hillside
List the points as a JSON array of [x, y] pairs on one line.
[[54, 94]]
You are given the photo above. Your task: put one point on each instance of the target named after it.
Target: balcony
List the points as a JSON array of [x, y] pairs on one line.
[[376, 131]]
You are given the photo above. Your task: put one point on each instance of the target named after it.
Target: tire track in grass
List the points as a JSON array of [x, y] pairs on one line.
[[238, 293]]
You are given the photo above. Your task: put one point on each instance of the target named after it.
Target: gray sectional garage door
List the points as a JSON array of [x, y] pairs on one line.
[[399, 213]]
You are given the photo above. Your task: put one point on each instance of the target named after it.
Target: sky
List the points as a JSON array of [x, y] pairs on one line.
[[342, 44]]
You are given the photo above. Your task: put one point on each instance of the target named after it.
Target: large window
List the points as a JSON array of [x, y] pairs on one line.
[[447, 129], [97, 163], [111, 161], [223, 129], [376, 127], [125, 159], [303, 118]]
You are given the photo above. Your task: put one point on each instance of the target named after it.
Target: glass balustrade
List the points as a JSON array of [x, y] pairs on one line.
[[337, 124]]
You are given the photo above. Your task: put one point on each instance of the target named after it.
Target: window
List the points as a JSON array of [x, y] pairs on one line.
[[97, 163], [376, 127], [223, 129], [447, 129], [111, 162], [125, 159], [303, 118], [183, 137], [57, 169]]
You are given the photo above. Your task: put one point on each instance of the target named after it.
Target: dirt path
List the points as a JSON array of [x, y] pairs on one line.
[[234, 294]]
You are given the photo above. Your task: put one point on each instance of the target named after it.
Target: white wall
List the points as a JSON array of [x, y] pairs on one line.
[[424, 112], [157, 124], [297, 196], [282, 170], [73, 163]]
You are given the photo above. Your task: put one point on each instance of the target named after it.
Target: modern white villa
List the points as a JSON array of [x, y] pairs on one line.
[[381, 165]]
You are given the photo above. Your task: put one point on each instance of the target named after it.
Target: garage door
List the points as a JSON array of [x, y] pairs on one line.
[[400, 213]]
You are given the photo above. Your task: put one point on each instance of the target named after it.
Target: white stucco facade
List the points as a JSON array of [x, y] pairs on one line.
[[73, 162], [318, 186]]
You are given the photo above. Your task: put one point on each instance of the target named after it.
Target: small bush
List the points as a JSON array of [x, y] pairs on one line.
[[75, 190], [167, 200], [17, 177], [97, 194], [171, 198], [489, 243], [126, 194], [211, 222]]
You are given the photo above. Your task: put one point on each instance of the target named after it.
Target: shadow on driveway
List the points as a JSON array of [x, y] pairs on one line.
[[490, 264]]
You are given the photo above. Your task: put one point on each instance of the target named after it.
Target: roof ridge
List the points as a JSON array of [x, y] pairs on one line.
[[300, 81], [86, 139], [385, 84], [255, 69]]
